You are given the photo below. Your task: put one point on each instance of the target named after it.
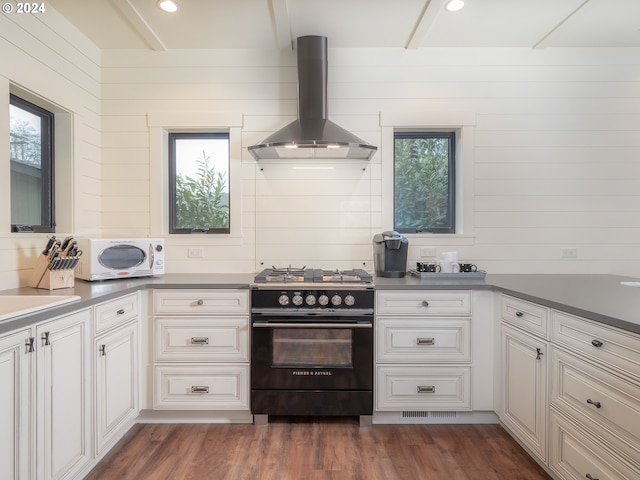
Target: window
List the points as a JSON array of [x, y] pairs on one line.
[[199, 183], [424, 182], [32, 162]]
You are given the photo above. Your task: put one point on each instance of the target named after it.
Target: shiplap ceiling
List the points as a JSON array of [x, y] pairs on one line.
[[140, 24]]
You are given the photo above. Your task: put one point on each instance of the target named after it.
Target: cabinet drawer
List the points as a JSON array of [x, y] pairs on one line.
[[423, 302], [526, 315], [420, 388], [596, 395], [116, 312], [211, 387], [199, 302], [189, 339], [576, 455], [431, 340], [610, 345]]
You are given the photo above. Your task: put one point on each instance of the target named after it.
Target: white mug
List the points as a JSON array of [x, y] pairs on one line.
[[449, 256], [449, 267]]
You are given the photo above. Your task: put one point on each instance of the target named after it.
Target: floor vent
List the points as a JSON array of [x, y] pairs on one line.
[[442, 414], [420, 414]]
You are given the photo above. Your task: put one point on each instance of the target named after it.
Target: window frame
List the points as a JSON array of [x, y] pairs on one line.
[[47, 166], [172, 137], [450, 136]]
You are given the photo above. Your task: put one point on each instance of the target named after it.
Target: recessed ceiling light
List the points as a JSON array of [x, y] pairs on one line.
[[454, 5], [168, 5]]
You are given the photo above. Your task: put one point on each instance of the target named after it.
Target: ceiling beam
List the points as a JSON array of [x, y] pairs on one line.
[[430, 12], [540, 43], [281, 24], [139, 24]]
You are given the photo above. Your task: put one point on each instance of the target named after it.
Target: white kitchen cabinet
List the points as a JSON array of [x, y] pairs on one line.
[[63, 392], [201, 349], [523, 372], [576, 455], [524, 388], [16, 412], [423, 351], [595, 387], [202, 387], [412, 388], [115, 351]]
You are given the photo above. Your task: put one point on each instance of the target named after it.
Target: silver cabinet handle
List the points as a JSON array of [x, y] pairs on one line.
[[425, 303], [199, 389], [595, 404], [539, 353], [519, 314], [199, 340], [45, 339], [103, 350], [596, 343], [200, 302], [427, 389], [120, 312], [425, 341], [28, 343], [590, 477]]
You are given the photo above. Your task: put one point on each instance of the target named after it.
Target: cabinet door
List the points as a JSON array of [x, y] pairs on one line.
[[63, 388], [576, 454], [417, 340], [15, 405], [208, 339], [411, 387], [116, 381], [524, 377]]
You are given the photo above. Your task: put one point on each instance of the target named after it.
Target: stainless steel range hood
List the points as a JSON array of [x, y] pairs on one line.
[[312, 135]]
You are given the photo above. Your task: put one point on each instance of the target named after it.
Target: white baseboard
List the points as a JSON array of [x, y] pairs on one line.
[[194, 416]]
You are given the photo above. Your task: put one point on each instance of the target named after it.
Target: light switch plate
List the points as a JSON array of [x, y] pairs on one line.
[[426, 252]]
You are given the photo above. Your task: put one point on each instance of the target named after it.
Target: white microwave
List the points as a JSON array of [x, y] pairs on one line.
[[108, 258]]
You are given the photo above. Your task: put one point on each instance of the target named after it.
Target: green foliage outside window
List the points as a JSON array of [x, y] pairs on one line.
[[423, 183], [202, 201]]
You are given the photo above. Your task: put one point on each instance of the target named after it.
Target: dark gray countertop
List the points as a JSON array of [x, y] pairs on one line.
[[91, 293], [598, 297]]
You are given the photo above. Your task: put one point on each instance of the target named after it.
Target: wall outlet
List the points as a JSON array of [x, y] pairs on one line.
[[570, 252], [195, 253], [427, 252]]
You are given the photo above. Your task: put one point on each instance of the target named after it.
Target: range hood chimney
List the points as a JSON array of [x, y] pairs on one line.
[[312, 135]]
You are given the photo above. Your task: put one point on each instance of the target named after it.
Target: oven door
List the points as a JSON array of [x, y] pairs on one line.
[[312, 353]]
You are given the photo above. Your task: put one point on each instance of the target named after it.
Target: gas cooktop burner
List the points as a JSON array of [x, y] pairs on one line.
[[312, 275]]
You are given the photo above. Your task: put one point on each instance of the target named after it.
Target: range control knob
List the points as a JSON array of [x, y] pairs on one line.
[[336, 300], [283, 300], [349, 300], [297, 300], [311, 300], [323, 300]]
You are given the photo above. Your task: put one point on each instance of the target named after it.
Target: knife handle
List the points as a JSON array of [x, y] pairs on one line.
[[50, 242]]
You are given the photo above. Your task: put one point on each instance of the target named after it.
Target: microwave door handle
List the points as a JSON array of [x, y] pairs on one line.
[[151, 260]]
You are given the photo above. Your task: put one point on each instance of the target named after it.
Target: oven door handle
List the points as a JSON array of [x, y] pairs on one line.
[[314, 325]]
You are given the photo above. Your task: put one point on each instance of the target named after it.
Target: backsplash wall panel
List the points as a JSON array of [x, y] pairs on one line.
[[531, 181]]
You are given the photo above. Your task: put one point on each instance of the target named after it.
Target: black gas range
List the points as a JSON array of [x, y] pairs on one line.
[[312, 343]]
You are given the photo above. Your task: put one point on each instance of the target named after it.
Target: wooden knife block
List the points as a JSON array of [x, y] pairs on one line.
[[42, 277]]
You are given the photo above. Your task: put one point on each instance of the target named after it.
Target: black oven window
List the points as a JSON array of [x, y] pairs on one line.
[[318, 347]]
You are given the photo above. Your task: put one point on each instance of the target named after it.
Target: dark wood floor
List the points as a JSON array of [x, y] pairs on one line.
[[317, 449]]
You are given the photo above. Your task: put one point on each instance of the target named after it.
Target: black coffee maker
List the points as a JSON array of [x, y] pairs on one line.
[[390, 254]]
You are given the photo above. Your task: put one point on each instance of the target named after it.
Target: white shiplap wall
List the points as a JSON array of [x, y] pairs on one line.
[[44, 55], [551, 161], [550, 149]]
